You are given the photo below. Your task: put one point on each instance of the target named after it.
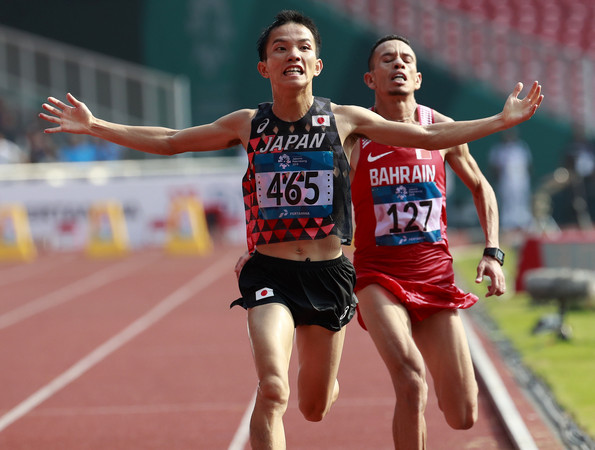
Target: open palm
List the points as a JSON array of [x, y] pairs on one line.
[[517, 110], [71, 119]]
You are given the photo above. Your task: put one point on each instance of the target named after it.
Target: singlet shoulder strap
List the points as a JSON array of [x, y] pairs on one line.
[[425, 114]]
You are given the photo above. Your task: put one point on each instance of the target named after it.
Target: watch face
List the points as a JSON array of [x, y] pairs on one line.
[[495, 253]]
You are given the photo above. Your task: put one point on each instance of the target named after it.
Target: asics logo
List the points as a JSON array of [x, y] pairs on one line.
[[344, 313], [377, 157], [262, 126]]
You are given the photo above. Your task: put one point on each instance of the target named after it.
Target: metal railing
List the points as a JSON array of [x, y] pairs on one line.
[[32, 68]]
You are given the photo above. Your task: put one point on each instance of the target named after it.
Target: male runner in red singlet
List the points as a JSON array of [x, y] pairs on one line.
[[297, 200], [405, 282]]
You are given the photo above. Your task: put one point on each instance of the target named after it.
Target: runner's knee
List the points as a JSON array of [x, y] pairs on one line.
[[415, 391], [458, 404], [411, 387], [463, 416], [314, 410], [274, 391], [316, 407]]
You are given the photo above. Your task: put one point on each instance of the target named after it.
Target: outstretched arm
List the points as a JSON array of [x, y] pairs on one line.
[[360, 121], [76, 118]]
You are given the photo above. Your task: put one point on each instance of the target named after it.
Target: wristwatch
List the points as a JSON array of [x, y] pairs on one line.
[[495, 253]]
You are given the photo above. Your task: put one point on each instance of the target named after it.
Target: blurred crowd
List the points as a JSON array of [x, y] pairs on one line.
[[565, 197], [22, 140]]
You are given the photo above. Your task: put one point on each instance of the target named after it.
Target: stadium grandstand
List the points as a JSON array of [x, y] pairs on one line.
[[502, 41]]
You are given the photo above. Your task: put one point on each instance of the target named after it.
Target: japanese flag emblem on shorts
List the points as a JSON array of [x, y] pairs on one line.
[[264, 293]]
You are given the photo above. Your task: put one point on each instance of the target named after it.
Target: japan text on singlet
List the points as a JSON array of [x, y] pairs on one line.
[[402, 191], [296, 186]]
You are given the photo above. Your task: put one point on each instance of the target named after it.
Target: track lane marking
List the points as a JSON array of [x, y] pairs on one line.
[[71, 291], [177, 298], [15, 274], [509, 414], [242, 434]]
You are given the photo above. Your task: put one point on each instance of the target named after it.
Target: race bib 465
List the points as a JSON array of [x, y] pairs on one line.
[[294, 184]]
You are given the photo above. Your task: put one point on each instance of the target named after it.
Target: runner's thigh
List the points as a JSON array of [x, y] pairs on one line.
[[271, 330], [389, 326], [319, 355], [443, 343]]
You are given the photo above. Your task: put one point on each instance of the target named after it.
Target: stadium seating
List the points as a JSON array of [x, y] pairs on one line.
[[567, 22], [501, 42]]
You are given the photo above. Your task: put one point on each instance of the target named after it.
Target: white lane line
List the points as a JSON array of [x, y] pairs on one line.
[[30, 270], [240, 439], [513, 421], [177, 298], [71, 291], [129, 410]]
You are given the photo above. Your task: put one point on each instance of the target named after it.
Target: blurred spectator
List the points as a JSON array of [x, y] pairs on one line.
[[10, 153], [9, 124], [79, 149], [40, 147], [107, 151], [511, 163], [20, 143], [579, 159]]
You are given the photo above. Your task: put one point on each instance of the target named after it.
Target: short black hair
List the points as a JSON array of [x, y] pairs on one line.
[[382, 40], [282, 18]]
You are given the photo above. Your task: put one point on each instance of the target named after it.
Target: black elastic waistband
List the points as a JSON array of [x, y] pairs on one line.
[[289, 263]]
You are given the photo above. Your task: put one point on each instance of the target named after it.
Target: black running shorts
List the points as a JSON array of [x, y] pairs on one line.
[[316, 293]]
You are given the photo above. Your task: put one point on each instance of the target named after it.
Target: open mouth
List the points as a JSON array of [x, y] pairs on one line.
[[294, 70], [399, 76]]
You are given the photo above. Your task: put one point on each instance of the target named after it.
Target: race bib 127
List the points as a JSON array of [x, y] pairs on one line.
[[407, 213]]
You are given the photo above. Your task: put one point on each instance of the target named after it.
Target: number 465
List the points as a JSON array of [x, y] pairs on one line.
[[286, 186]]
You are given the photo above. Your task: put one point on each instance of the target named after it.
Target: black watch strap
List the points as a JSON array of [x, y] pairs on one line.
[[495, 253]]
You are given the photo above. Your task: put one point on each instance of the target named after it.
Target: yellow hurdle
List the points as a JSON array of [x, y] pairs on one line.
[[187, 230], [108, 234], [16, 243]]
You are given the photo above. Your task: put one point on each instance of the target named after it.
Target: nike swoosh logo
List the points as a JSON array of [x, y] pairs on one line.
[[374, 158]]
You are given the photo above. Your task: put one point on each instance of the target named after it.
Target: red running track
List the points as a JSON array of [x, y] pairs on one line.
[[143, 352]]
